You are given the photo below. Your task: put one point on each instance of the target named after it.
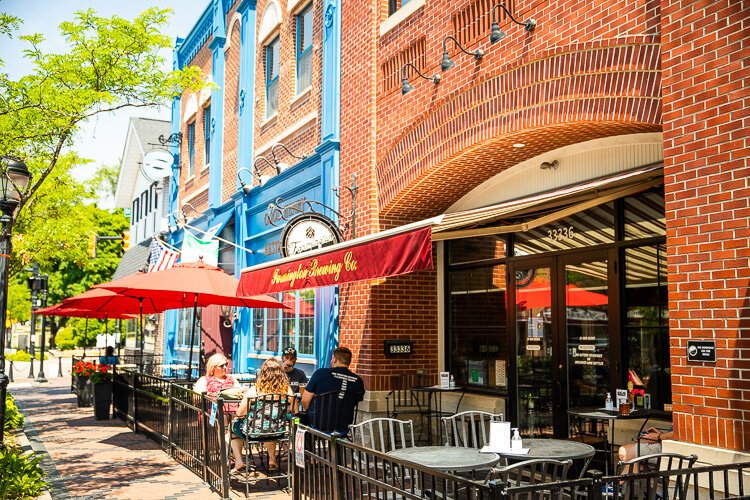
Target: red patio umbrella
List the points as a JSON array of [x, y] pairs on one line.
[[61, 310], [190, 284], [539, 294]]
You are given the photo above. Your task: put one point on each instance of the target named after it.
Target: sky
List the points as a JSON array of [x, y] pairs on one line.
[[103, 139]]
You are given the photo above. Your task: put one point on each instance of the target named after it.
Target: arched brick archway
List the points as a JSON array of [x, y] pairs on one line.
[[586, 92]]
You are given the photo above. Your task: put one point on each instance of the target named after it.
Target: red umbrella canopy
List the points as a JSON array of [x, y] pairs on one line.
[[189, 284], [107, 301], [539, 294], [61, 310]]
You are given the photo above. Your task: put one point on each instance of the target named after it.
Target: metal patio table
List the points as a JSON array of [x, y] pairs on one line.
[[557, 449], [447, 458]]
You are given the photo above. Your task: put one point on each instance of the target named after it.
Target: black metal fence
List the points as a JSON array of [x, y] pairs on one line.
[[187, 425]]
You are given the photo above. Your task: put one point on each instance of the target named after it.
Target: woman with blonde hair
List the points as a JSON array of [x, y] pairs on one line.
[[270, 379], [216, 378]]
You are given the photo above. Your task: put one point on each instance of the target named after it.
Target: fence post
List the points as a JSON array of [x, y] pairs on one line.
[[170, 411], [204, 436], [595, 493], [10, 372], [31, 367], [135, 402], [224, 457], [333, 449], [59, 367]]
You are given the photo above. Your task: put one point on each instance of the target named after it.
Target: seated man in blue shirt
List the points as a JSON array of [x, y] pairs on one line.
[[338, 377], [109, 357]]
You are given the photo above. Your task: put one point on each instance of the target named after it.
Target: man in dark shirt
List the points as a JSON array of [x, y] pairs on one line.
[[348, 387], [295, 375]]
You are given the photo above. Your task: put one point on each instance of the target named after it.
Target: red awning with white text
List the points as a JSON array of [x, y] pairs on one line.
[[389, 253]]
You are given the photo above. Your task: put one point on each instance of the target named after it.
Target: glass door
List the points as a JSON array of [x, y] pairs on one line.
[[562, 323]]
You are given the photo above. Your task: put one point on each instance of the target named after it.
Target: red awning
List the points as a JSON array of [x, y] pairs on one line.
[[389, 253]]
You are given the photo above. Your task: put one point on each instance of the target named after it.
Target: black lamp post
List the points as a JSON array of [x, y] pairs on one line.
[[43, 288], [14, 177]]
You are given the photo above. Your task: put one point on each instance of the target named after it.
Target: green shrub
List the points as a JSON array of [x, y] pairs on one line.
[[13, 417], [22, 355], [22, 476], [64, 339]]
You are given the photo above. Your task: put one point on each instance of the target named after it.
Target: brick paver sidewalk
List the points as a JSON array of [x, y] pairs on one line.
[[88, 458]]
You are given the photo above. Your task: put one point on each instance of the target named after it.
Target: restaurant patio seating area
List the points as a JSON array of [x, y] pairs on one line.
[[379, 459]]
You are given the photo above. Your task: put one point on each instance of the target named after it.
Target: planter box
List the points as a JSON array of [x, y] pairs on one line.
[[103, 400], [83, 391]]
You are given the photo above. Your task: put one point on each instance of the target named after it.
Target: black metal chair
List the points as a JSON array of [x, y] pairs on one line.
[[533, 472], [649, 487], [267, 420], [332, 412]]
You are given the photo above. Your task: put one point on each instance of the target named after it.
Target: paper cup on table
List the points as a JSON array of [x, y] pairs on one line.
[[499, 435]]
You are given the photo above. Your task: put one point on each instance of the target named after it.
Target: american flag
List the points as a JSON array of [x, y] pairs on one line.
[[161, 257]]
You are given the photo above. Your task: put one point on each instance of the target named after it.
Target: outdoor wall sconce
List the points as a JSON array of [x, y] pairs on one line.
[[262, 179], [245, 188], [281, 166], [547, 165], [497, 34], [447, 63], [407, 87]]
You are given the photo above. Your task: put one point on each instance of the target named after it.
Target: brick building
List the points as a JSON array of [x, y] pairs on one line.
[[264, 132], [593, 173]]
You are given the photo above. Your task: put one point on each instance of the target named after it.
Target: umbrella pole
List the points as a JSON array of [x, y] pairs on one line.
[[143, 340], [192, 339], [85, 336]]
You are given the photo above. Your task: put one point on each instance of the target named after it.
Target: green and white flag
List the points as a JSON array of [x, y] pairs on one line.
[[194, 249]]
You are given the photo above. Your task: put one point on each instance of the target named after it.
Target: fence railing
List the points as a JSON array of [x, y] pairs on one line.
[[185, 424]]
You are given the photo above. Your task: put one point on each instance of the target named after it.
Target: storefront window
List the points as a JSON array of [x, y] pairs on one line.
[[644, 215], [295, 326], [477, 325], [646, 324], [184, 327], [479, 249], [595, 226]]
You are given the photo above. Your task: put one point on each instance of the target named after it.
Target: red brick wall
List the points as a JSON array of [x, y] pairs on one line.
[[589, 70], [291, 107], [706, 50]]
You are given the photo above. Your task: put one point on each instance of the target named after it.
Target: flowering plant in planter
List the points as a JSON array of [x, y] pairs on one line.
[[83, 369], [101, 374]]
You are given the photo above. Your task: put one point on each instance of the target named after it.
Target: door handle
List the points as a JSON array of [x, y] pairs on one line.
[[557, 394]]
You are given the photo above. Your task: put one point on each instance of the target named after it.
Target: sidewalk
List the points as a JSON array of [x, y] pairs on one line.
[[88, 458]]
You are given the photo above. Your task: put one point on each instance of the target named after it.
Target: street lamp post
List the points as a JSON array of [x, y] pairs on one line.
[[34, 282], [40, 376], [14, 177]]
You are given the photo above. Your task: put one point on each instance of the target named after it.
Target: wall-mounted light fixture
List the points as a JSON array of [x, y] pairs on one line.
[[497, 34], [447, 63], [245, 188], [281, 166], [407, 87], [547, 165], [264, 177]]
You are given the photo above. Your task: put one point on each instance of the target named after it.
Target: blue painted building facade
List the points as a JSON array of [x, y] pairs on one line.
[[230, 43]]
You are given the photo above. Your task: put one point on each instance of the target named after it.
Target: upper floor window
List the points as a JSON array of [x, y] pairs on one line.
[[394, 5], [272, 77], [304, 49], [191, 149], [207, 132]]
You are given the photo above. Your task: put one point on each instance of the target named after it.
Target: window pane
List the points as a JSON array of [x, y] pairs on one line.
[[226, 251], [272, 95], [272, 80], [595, 226], [476, 249], [646, 324], [191, 149], [304, 23], [644, 215], [207, 132], [478, 336], [304, 71], [184, 328]]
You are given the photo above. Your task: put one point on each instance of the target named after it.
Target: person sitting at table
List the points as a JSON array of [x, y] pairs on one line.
[[216, 377], [295, 375], [647, 444], [109, 357], [336, 378], [270, 379]]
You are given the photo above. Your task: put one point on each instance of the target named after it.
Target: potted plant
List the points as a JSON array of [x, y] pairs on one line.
[[101, 380], [82, 371]]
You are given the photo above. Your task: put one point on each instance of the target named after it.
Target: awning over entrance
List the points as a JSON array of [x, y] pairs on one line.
[[389, 253], [409, 248]]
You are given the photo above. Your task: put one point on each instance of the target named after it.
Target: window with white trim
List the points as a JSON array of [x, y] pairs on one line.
[[272, 77], [184, 327], [191, 149], [274, 329], [304, 48]]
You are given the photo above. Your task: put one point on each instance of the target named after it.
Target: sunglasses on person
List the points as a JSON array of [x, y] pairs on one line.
[[224, 365]]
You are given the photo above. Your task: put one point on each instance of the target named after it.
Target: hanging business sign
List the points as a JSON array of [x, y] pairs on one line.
[[308, 231], [365, 258], [701, 350]]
